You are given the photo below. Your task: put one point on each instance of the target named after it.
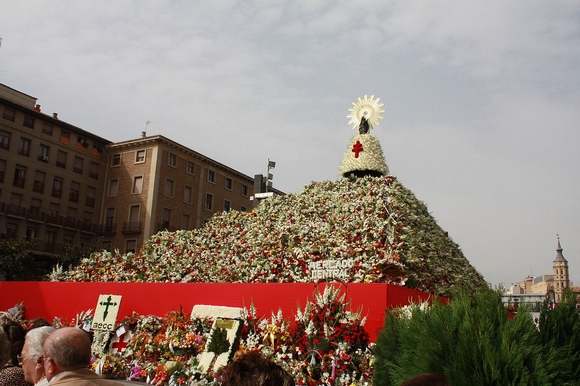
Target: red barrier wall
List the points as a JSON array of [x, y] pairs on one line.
[[65, 300]]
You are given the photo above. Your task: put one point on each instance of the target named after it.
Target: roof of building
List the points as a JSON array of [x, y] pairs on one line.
[[559, 255]]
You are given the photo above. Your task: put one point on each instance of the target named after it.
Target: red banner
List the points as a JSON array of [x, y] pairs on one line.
[[66, 299]]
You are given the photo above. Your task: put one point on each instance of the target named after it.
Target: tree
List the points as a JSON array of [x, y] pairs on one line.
[[15, 261], [472, 340]]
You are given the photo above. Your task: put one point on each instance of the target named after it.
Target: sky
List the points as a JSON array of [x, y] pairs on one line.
[[481, 99]]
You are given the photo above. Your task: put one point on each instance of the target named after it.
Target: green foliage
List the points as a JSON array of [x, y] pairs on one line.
[[15, 261], [473, 341], [219, 341], [73, 254]]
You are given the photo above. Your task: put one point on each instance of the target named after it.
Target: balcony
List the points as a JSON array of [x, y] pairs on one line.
[[56, 192], [47, 247], [34, 214], [54, 219], [107, 229], [88, 227], [164, 226], [70, 222], [15, 211], [132, 227], [19, 182]]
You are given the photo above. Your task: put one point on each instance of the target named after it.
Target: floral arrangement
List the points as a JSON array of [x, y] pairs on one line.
[[378, 223], [324, 344], [332, 341]]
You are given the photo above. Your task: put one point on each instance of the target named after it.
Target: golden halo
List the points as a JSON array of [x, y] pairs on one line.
[[369, 108]]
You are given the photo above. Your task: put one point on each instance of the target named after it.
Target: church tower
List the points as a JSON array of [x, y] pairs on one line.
[[561, 277]]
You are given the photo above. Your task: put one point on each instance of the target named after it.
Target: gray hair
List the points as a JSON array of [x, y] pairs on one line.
[[35, 339]]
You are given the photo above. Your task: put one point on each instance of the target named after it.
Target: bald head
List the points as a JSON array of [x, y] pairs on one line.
[[69, 348]]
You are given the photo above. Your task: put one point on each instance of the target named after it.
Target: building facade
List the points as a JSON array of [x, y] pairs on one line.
[[51, 176], [60, 184], [155, 184]]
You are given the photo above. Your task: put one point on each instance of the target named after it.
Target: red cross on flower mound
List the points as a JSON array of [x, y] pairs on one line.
[[357, 148], [119, 345]]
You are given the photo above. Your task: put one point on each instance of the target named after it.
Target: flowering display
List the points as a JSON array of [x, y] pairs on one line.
[[378, 223], [324, 344]]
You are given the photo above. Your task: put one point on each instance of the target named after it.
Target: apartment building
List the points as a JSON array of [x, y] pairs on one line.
[[60, 184], [51, 174], [155, 184]]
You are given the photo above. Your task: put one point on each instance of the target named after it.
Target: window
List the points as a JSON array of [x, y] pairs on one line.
[[172, 160], [227, 205], [110, 218], [61, 159], [28, 121], [31, 234], [210, 176], [78, 165], [94, 170], [50, 237], [5, 140], [34, 210], [137, 185], [2, 169], [38, 185], [131, 246], [82, 143], [166, 219], [134, 224], [24, 146], [54, 209], [90, 200], [57, 187], [187, 194], [19, 176], [243, 209], [208, 201], [184, 221], [244, 190], [140, 156], [190, 167], [168, 188], [229, 183], [64, 137], [11, 230], [74, 192], [9, 114], [47, 128], [116, 160], [113, 187], [71, 214], [43, 153], [97, 150]]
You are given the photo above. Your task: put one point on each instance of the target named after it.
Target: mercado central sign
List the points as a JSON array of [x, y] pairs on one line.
[[331, 268]]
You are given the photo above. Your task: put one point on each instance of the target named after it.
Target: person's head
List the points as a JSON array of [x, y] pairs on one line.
[[31, 357], [15, 333], [427, 379], [67, 348], [38, 322], [252, 369], [4, 348]]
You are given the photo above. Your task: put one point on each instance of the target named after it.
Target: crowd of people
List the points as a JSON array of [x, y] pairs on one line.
[[42, 355]]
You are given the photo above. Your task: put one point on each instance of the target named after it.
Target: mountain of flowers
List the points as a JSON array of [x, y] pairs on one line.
[[374, 225]]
